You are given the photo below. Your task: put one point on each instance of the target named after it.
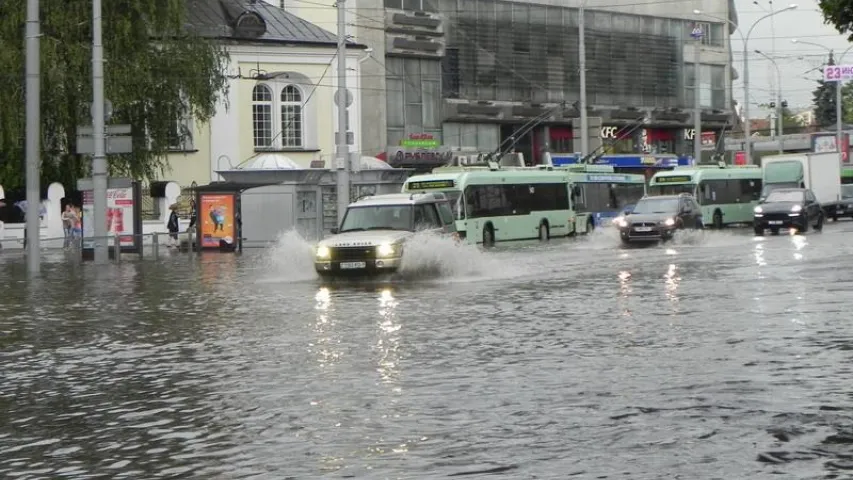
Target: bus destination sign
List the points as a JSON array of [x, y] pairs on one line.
[[431, 185], [674, 179]]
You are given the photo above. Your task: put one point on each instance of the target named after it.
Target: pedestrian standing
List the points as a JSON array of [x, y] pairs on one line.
[[173, 225], [68, 218]]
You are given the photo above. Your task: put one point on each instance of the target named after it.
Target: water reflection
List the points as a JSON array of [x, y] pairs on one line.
[[799, 243], [388, 344], [759, 257], [671, 280], [327, 343], [625, 291]]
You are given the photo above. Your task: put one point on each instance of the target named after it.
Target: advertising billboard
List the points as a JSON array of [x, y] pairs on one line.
[[216, 217], [121, 206]]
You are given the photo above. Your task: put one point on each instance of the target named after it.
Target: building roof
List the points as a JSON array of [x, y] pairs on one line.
[[255, 21]]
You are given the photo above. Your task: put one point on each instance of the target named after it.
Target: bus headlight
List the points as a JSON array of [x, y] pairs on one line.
[[669, 222], [385, 250], [323, 253]]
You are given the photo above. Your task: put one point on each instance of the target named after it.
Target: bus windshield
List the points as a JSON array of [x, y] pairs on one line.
[[608, 197], [672, 189]]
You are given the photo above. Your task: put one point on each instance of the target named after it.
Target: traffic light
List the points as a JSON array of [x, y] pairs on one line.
[[784, 104], [772, 104]]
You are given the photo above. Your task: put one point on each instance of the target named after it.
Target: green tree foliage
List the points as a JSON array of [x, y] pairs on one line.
[[155, 72], [823, 98], [839, 14]]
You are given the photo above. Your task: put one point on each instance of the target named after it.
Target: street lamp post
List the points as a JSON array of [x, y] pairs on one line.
[[746, 126], [697, 104], [779, 109], [839, 123], [582, 67]]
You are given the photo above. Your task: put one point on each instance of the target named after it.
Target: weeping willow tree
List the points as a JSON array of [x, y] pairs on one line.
[[157, 70]]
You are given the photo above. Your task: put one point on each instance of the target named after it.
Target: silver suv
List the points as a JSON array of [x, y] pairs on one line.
[[374, 230]]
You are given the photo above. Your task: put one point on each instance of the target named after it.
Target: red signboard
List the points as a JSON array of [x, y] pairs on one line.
[[740, 158]]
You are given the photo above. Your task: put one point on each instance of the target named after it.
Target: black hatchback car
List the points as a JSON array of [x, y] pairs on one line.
[[657, 218], [788, 208]]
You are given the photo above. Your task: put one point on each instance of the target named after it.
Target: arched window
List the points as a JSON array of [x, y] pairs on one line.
[[291, 117], [262, 116]]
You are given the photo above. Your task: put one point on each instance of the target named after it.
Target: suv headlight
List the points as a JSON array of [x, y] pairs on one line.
[[757, 209], [620, 222], [387, 250], [323, 252], [796, 208], [669, 222]]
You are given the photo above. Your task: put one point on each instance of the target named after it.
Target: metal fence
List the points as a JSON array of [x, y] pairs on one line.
[[152, 245]]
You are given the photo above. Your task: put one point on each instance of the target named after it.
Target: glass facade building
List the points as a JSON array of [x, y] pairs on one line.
[[499, 52]]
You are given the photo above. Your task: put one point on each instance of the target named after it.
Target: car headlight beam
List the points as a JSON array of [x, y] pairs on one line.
[[385, 250], [758, 210], [796, 208], [669, 222], [323, 252]]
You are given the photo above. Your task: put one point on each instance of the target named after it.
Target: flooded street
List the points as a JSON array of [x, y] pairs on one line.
[[717, 356]]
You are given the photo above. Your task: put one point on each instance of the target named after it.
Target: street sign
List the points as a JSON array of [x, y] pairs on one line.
[[113, 145], [837, 73], [697, 32], [120, 129]]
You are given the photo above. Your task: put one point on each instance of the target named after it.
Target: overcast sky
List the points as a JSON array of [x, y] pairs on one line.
[[773, 36]]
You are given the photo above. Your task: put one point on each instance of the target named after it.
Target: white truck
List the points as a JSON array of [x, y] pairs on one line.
[[819, 172]]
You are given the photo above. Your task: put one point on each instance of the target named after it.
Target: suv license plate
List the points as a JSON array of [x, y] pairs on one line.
[[643, 229], [352, 265], [775, 222]]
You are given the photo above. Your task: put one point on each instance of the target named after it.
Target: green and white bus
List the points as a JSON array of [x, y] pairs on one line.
[[499, 205], [727, 195], [604, 194]]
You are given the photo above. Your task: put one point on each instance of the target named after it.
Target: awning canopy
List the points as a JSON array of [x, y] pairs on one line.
[[230, 187]]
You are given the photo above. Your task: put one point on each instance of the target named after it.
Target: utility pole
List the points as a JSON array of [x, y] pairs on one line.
[[33, 136], [697, 105], [343, 100], [99, 159], [582, 66]]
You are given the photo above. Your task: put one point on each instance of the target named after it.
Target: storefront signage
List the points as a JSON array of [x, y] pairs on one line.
[[216, 219], [611, 133], [708, 138], [410, 157], [420, 140], [607, 178]]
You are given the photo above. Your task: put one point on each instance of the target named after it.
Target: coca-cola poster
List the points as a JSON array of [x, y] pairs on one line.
[[120, 216]]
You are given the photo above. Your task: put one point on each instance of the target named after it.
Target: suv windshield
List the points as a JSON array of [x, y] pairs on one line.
[[795, 196], [378, 217], [656, 205]]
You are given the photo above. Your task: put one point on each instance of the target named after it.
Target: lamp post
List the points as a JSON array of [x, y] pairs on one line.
[[33, 135], [582, 67], [779, 109], [697, 104], [746, 126], [839, 124]]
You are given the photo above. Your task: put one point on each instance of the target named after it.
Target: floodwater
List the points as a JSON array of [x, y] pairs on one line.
[[716, 356]]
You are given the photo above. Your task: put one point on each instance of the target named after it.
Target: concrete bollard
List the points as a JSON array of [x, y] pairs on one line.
[[117, 247], [156, 245]]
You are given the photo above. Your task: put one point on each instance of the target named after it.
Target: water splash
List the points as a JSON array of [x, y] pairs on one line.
[[427, 255], [290, 258]]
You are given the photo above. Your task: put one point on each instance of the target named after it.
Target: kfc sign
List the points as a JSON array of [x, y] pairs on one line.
[[608, 133]]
